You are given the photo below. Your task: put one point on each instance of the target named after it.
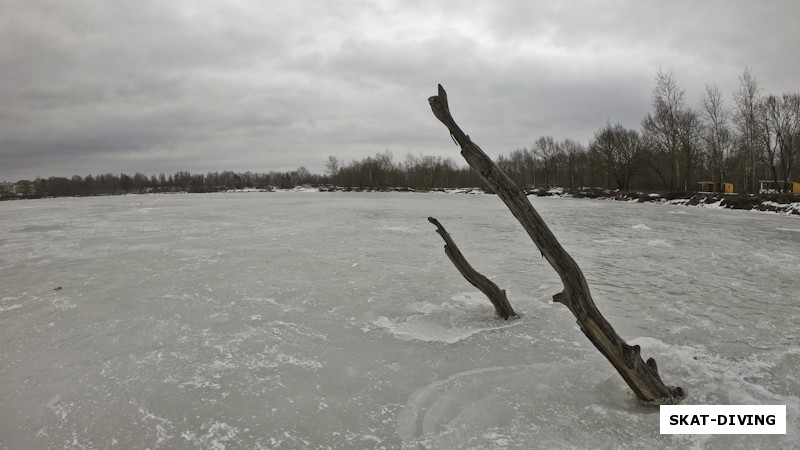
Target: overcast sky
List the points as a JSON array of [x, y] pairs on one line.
[[96, 86]]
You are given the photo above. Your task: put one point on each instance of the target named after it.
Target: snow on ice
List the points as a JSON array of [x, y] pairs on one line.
[[316, 320]]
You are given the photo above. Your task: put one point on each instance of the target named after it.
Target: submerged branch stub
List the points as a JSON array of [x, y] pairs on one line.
[[496, 295], [643, 378]]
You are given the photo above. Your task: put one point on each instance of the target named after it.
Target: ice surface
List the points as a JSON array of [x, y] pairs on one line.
[[315, 320], [449, 323]]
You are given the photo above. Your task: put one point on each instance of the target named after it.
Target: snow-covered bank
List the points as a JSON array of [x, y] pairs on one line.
[[788, 204]]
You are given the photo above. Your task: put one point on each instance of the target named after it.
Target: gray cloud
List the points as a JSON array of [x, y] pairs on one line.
[[93, 86]]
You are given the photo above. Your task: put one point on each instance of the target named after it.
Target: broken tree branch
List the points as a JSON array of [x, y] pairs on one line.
[[496, 295], [643, 378]]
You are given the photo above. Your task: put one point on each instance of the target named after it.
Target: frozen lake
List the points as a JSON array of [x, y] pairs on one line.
[[315, 320]]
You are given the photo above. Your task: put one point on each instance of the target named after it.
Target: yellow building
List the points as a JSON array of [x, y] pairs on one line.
[[780, 186], [713, 186]]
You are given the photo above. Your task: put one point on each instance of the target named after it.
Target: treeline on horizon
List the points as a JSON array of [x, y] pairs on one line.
[[741, 140], [113, 184]]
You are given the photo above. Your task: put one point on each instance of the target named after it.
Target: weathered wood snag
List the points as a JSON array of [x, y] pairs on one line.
[[496, 295], [643, 378]]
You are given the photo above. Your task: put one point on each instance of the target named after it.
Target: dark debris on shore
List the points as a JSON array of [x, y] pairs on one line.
[[784, 203]]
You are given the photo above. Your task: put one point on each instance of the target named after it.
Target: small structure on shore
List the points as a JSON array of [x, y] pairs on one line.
[[714, 186], [770, 186]]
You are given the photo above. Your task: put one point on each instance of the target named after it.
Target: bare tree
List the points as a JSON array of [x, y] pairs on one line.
[[689, 143], [332, 167], [520, 165], [661, 129], [641, 376], [548, 152], [781, 125], [747, 120], [384, 166], [302, 175], [619, 152], [432, 167], [717, 134], [572, 154], [411, 167]]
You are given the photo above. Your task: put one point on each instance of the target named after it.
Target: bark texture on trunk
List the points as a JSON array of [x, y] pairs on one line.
[[641, 376], [496, 295]]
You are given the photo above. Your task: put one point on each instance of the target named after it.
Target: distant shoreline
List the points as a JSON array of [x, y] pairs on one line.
[[787, 204]]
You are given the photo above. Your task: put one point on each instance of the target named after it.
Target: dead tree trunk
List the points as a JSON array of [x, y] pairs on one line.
[[496, 295], [642, 377]]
